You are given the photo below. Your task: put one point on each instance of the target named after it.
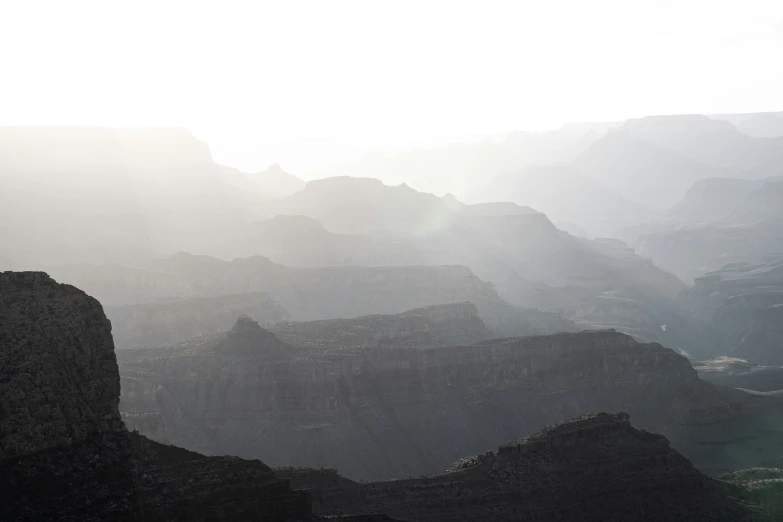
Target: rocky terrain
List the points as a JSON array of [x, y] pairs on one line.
[[386, 411], [64, 451], [305, 293], [594, 467], [67, 456]]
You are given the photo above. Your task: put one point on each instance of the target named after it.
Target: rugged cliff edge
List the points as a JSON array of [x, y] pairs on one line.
[[64, 451], [595, 467], [382, 412]]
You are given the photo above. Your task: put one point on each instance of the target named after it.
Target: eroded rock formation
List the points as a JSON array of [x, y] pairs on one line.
[[380, 412]]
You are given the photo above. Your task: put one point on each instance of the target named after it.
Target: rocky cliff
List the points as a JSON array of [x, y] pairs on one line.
[[60, 380], [64, 452], [595, 467], [379, 412]]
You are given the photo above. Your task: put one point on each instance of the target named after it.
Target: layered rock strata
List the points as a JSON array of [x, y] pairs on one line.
[[382, 412]]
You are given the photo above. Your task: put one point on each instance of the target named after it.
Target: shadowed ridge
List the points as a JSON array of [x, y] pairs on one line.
[[592, 467]]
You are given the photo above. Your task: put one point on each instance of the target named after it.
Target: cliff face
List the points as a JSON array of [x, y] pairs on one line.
[[385, 412], [64, 451], [596, 467], [60, 374]]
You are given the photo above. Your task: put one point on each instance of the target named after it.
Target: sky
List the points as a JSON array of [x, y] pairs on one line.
[[321, 81]]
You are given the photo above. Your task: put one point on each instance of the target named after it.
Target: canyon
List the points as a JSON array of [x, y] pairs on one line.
[[379, 410], [66, 455]]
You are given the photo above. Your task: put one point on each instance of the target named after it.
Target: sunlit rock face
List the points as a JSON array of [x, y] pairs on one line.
[[379, 412], [593, 467]]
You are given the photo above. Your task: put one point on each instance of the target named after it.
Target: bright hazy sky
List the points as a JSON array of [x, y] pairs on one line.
[[251, 76]]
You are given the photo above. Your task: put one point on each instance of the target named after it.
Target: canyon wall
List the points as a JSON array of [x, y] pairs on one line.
[[379, 412]]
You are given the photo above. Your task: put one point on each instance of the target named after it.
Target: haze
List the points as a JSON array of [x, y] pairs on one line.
[[312, 84]]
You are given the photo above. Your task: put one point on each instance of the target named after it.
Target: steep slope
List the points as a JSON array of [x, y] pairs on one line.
[[594, 467], [379, 412], [64, 452]]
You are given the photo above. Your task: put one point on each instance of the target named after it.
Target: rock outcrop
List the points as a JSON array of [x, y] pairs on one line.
[[60, 381], [595, 467], [64, 451], [380, 412]]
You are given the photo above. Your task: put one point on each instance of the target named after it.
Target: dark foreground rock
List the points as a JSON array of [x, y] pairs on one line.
[[595, 467], [64, 451]]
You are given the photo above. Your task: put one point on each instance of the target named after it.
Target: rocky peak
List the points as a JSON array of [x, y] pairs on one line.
[[247, 336]]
